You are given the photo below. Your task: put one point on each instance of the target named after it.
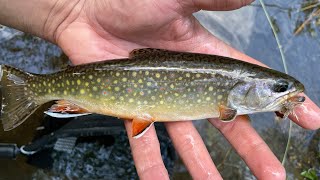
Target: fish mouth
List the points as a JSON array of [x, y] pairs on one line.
[[290, 98]]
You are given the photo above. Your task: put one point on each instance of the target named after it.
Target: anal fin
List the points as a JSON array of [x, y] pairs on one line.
[[66, 109]]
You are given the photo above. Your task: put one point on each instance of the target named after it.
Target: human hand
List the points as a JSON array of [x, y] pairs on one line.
[[88, 31]]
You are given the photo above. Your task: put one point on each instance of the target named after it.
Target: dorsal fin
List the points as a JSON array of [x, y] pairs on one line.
[[146, 52]]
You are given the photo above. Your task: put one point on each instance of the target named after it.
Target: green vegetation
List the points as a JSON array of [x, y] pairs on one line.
[[310, 174]]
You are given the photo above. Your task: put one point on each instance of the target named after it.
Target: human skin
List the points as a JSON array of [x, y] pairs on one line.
[[89, 31]]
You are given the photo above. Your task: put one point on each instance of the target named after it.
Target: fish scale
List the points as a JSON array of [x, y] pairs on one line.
[[152, 85]]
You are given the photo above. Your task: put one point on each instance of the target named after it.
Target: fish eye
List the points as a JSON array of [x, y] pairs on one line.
[[281, 86]]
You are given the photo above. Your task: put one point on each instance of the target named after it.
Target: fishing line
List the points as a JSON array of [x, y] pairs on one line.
[[286, 71]]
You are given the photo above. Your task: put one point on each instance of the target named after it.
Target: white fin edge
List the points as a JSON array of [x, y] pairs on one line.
[[143, 132], [60, 115]]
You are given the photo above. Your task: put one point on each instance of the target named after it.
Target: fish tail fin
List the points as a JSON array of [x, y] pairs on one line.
[[17, 101]]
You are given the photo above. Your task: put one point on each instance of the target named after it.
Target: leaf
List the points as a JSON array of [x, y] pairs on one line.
[[310, 174]]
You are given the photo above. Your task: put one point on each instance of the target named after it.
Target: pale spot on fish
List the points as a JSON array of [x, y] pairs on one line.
[[90, 77], [219, 97], [210, 88], [82, 91], [78, 81]]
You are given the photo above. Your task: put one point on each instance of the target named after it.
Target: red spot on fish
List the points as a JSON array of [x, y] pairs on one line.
[[162, 88], [104, 93], [129, 90]]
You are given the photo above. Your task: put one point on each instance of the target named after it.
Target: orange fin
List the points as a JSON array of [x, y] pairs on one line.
[[227, 113], [140, 126], [63, 106]]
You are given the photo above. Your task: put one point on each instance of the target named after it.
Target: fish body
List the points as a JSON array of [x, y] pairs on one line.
[[152, 85]]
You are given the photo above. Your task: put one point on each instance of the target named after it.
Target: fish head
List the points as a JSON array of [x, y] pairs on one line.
[[266, 94]]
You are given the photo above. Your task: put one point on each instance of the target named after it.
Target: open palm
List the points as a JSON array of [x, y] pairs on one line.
[[106, 29], [99, 30]]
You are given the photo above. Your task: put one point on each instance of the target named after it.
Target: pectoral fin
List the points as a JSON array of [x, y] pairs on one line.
[[227, 113], [140, 126]]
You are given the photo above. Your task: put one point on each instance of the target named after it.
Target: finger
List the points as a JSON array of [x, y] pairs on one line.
[[193, 152], [252, 149], [308, 115], [146, 154]]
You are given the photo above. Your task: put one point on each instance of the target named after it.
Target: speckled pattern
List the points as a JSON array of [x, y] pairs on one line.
[[154, 84]]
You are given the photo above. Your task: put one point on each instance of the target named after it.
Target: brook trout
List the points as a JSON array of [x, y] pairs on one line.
[[152, 85]]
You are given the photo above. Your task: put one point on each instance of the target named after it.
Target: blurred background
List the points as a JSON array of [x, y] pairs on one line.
[[107, 155]]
